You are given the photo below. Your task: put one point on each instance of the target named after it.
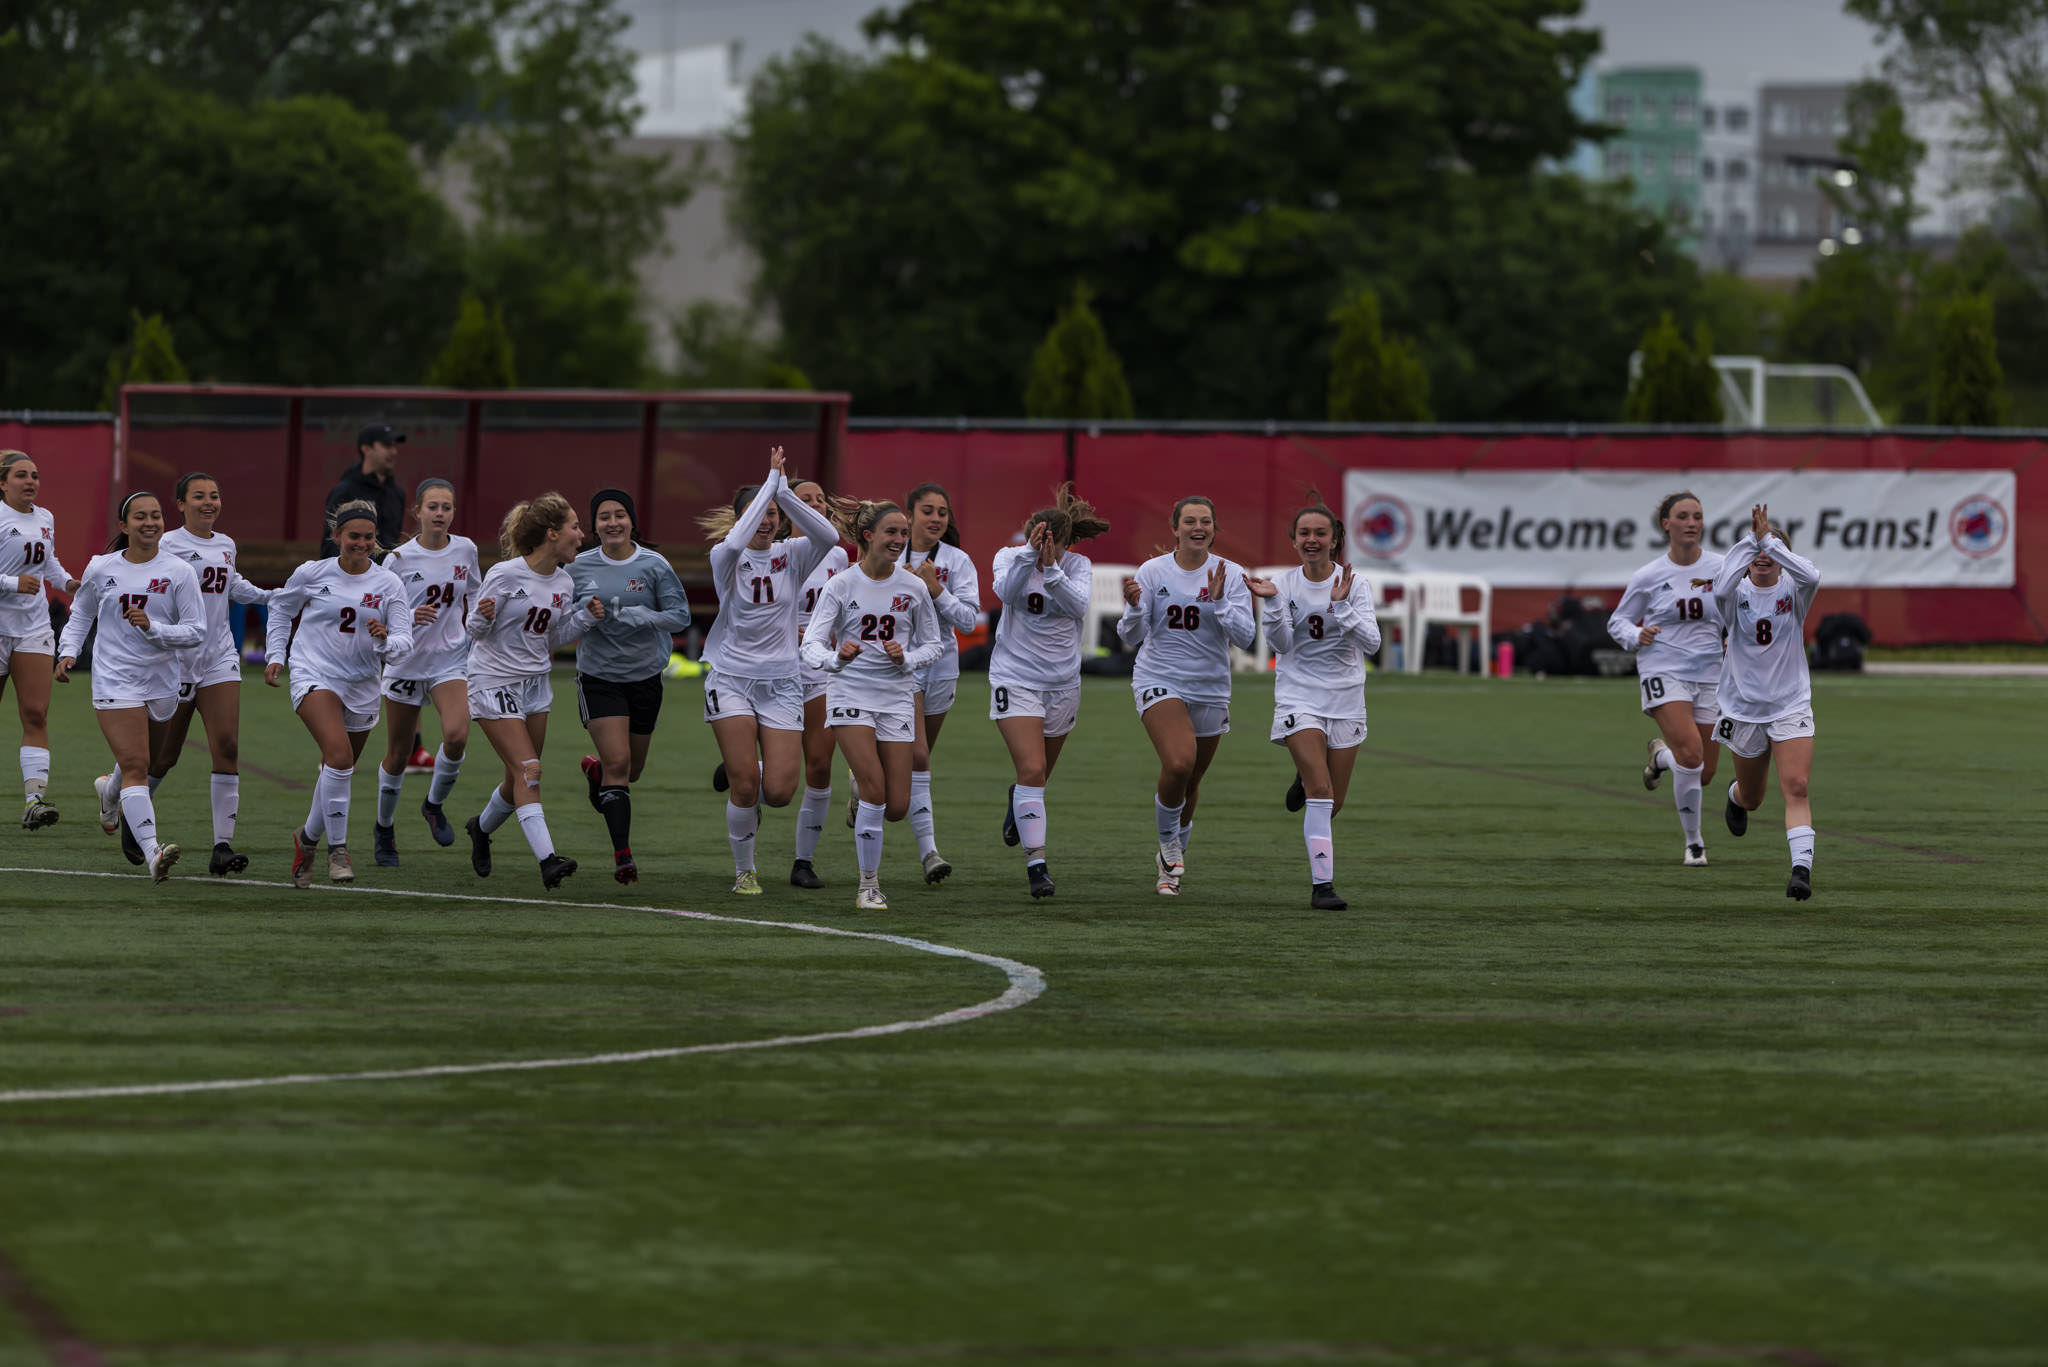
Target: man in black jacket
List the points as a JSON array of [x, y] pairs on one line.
[[372, 479]]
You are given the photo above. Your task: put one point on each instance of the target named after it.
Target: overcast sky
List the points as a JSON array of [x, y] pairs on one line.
[[1738, 44]]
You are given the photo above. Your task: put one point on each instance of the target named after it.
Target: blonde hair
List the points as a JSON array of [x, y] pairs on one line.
[[867, 515], [1069, 519], [349, 512], [529, 523], [839, 509]]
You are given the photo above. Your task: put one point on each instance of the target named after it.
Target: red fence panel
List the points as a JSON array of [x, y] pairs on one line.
[[76, 464]]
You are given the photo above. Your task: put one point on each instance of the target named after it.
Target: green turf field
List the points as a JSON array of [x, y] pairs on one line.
[[1540, 1097]]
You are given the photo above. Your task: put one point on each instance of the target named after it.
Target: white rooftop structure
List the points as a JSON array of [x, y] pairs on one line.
[[691, 92]]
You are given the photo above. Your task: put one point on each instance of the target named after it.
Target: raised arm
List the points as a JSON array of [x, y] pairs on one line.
[[1803, 573], [1354, 611], [1734, 569], [1069, 584], [1010, 575], [819, 534]]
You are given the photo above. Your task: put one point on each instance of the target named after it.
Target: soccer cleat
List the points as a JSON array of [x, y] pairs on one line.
[[422, 761], [36, 814], [802, 875], [1695, 856], [167, 855], [870, 898], [747, 883], [479, 848], [1010, 836], [1171, 860], [226, 860], [1653, 771], [719, 782], [554, 869], [623, 867], [1297, 796], [1041, 881], [1170, 867], [339, 868], [384, 839], [593, 774], [130, 846], [936, 868], [1323, 897], [437, 822], [852, 799], [1800, 887], [109, 792], [1737, 818], [303, 851]]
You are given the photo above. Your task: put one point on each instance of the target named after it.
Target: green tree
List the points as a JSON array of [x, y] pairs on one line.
[[570, 327], [1677, 382], [1880, 202], [1969, 386], [479, 351], [292, 240], [1074, 372], [149, 357], [1373, 377], [1746, 317], [1203, 168], [1846, 314], [717, 348]]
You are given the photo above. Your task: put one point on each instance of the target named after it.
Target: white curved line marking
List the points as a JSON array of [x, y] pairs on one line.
[[1026, 983]]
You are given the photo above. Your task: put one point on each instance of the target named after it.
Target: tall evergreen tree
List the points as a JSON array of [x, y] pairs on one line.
[[150, 356], [1969, 383], [1074, 373], [479, 350], [1677, 382], [1373, 377]]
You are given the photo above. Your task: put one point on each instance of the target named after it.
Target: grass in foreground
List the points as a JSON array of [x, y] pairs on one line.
[[1541, 1096]]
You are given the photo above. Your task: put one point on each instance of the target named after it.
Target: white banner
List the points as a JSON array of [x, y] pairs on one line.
[[1593, 528]]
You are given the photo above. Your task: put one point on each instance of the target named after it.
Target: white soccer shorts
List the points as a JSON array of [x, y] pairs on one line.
[[1751, 738], [1059, 707]]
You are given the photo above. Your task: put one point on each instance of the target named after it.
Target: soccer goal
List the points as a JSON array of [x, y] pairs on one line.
[[1760, 393], [277, 451]]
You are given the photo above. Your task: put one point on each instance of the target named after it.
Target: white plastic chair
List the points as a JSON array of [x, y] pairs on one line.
[[1105, 604], [1260, 656], [1392, 596], [1439, 600]]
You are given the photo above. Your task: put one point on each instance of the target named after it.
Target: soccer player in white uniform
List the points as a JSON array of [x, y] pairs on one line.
[[818, 746], [934, 555], [753, 685], [526, 610], [212, 684], [147, 610], [1766, 695], [28, 647], [354, 621], [620, 660], [1322, 626], [1034, 666], [1183, 611], [438, 573], [1670, 618], [874, 628]]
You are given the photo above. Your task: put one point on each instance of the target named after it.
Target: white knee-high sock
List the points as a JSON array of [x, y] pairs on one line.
[[534, 826], [1186, 836], [1800, 838], [1685, 795], [333, 794], [740, 825], [1315, 833], [224, 791], [1665, 759], [810, 820], [388, 787], [1167, 819], [921, 812], [140, 814], [494, 813], [867, 839], [1027, 809], [443, 781], [35, 771]]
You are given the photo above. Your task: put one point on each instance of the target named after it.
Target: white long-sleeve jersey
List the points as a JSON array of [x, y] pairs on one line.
[[332, 643], [836, 561], [1687, 615], [1765, 675], [1183, 639], [129, 662], [873, 612], [28, 545], [1322, 644], [1038, 637], [534, 614], [212, 559], [760, 593], [447, 581], [958, 603]]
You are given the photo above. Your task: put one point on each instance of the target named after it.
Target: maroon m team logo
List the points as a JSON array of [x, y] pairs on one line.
[[900, 603], [373, 600], [159, 586]]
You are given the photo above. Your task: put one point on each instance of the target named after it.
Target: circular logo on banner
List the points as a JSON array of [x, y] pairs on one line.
[[1978, 527], [1383, 527]]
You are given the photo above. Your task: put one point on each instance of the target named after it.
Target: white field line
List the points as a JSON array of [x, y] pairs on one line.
[[1025, 984]]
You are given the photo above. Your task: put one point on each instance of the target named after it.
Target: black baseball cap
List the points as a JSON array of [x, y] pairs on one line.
[[379, 431]]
